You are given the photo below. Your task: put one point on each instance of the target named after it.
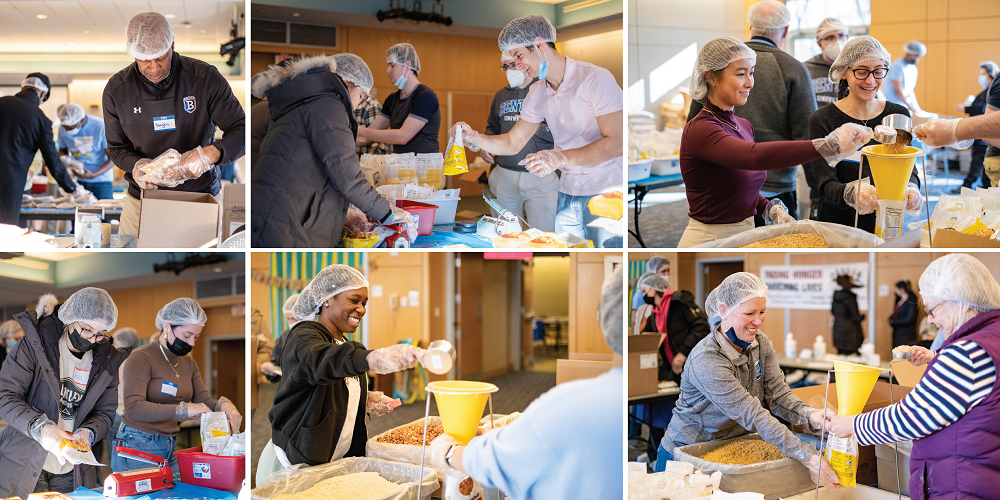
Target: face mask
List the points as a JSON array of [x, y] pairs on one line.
[[832, 50], [79, 343], [11, 344], [543, 67], [742, 344], [649, 300], [515, 78], [399, 83], [73, 131], [983, 81], [179, 347], [907, 61]]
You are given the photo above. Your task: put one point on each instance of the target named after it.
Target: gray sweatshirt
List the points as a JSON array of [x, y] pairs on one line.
[[726, 394], [825, 90], [504, 113]]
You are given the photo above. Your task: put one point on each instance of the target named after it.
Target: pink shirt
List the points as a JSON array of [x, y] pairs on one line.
[[586, 92]]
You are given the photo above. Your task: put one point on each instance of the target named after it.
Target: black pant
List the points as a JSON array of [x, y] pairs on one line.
[[61, 483], [791, 201], [976, 169]]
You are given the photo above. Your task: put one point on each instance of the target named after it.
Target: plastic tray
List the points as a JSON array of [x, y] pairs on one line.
[[424, 212], [639, 170], [668, 165], [210, 471], [446, 210]]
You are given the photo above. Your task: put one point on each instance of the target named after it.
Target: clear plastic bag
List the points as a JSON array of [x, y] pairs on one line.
[[300, 478], [836, 235], [402, 452], [167, 170], [214, 432]]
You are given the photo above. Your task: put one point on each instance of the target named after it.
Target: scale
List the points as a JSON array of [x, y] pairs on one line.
[[134, 482]]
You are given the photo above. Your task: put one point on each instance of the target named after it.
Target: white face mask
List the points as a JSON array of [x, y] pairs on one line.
[[832, 50], [983, 81], [515, 78], [73, 131]]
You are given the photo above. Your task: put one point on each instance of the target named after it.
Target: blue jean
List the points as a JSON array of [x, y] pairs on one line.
[[155, 444], [227, 171], [573, 215], [662, 457], [102, 190]]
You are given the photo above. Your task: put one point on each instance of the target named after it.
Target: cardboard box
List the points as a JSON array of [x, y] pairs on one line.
[[879, 398], [177, 219], [955, 239], [859, 493], [582, 356], [906, 374], [885, 454], [643, 363], [573, 369], [234, 209]]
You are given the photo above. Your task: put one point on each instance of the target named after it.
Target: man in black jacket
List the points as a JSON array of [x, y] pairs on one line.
[[168, 101], [24, 130]]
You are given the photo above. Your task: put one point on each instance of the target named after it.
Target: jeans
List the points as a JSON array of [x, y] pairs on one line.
[[227, 171], [791, 201], [155, 444], [662, 457], [60, 483], [101, 190], [573, 215]]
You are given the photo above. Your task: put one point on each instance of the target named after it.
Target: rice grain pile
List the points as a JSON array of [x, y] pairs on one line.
[[744, 452], [412, 435], [359, 486], [903, 139], [803, 240]]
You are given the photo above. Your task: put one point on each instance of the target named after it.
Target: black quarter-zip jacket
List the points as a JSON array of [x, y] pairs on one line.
[[143, 119]]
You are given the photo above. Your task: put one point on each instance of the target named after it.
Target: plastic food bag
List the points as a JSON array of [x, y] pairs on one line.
[[214, 432], [402, 452], [167, 170], [461, 487], [299, 478], [454, 160], [842, 453], [236, 446], [889, 219], [836, 235], [78, 452]]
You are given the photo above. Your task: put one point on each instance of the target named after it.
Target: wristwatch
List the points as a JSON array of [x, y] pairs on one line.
[[447, 456]]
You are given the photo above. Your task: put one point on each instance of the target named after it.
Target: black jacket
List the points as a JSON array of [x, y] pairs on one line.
[[310, 405], [904, 327], [24, 129], [687, 324], [198, 98], [307, 172], [847, 332]]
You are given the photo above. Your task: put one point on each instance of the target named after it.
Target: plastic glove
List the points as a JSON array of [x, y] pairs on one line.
[[378, 404], [83, 434], [842, 426], [470, 138], [488, 158], [400, 216], [818, 465], [139, 166], [544, 162], [678, 364], [842, 142], [921, 356], [232, 413], [194, 163], [438, 449], [937, 133], [914, 201], [395, 358], [868, 197], [267, 368], [189, 411], [821, 419], [50, 436], [776, 213], [81, 192]]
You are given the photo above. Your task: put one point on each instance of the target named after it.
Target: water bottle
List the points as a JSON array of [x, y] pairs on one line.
[[819, 348], [791, 347]]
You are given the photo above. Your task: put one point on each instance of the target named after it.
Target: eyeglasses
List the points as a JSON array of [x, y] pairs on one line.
[[930, 312], [830, 38], [508, 66], [862, 73], [95, 337]]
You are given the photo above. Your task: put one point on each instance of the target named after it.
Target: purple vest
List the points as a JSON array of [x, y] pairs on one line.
[[962, 460]]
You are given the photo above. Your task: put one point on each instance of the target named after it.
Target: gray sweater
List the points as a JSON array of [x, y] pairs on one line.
[[504, 113], [726, 394], [779, 107]]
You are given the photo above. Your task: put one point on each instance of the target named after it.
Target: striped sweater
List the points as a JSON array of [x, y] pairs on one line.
[[962, 377]]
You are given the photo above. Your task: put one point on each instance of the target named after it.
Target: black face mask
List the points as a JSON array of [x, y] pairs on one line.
[[179, 347], [649, 299], [79, 343]]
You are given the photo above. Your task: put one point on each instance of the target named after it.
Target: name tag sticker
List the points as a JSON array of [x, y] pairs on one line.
[[161, 123], [80, 377], [169, 388]]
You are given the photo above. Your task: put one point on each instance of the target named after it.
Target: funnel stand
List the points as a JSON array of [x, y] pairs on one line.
[[423, 446], [927, 208], [895, 447], [857, 193]]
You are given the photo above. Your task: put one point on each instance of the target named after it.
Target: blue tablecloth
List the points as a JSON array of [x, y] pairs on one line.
[[443, 236], [178, 492]]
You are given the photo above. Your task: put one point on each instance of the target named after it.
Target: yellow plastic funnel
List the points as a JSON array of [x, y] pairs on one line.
[[854, 384], [891, 172], [461, 404]]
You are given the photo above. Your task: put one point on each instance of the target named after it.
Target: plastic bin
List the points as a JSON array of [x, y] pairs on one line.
[[668, 165], [639, 170], [446, 210], [210, 471], [886, 456], [299, 478], [424, 212]]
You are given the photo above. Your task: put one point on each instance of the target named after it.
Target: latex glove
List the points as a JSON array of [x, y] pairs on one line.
[[470, 138], [50, 436], [81, 192], [488, 158], [83, 434], [914, 201], [400, 216], [139, 165], [678, 363], [395, 358], [194, 163], [438, 450], [842, 142], [818, 465], [921, 356], [267, 368], [776, 213], [544, 162], [868, 197], [189, 411], [842, 426], [378, 403], [232, 414], [937, 133], [821, 419]]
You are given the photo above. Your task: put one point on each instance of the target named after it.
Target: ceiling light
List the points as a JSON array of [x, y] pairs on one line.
[[296, 14], [169, 16], [86, 32], [582, 5], [41, 16], [186, 24], [34, 264], [202, 31], [70, 43]]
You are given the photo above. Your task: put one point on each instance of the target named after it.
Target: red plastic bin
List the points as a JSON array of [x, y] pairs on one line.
[[210, 471], [424, 212]]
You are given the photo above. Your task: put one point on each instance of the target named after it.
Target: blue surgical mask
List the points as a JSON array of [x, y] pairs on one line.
[[73, 131], [983, 81], [543, 67], [401, 81], [11, 344], [731, 334]]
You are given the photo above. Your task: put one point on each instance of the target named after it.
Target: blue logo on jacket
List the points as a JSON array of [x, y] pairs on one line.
[[758, 369], [189, 104]]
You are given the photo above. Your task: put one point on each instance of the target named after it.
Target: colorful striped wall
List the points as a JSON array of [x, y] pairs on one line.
[[303, 266]]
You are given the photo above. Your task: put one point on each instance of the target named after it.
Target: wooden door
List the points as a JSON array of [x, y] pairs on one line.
[[469, 308], [230, 373]]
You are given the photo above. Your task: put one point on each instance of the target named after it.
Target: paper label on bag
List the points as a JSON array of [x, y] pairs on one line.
[[647, 361], [889, 219], [842, 453]]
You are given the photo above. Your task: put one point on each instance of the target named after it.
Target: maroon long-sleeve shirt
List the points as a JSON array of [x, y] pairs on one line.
[[723, 168]]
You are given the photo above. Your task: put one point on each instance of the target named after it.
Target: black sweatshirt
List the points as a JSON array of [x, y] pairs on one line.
[[504, 113], [185, 107]]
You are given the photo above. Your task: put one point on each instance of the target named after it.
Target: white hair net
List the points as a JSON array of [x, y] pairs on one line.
[[992, 69], [735, 289], [148, 36], [352, 68], [35, 83], [962, 279], [329, 282], [655, 262], [523, 31], [126, 337], [862, 48], [716, 55], [404, 53], [182, 311], [654, 281], [768, 14], [612, 312], [830, 25], [70, 114], [92, 306], [915, 47], [289, 306]]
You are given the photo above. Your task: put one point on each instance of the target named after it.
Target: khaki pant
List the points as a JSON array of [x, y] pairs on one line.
[[129, 222], [992, 166], [697, 233], [527, 195]]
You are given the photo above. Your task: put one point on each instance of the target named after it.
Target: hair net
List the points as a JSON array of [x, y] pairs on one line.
[[329, 282], [830, 25], [148, 36], [915, 47], [9, 328], [289, 306], [523, 31], [404, 53], [70, 114], [35, 83], [768, 14], [352, 68], [962, 279], [126, 337], [612, 312], [716, 55], [992, 69], [735, 289], [182, 311], [862, 48], [655, 262], [654, 281], [92, 306]]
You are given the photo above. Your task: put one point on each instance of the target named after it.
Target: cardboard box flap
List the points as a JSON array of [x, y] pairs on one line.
[[644, 343], [162, 194], [570, 369], [584, 356], [955, 239], [907, 374], [177, 219], [879, 398]]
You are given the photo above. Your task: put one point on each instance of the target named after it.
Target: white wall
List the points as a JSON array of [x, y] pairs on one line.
[[602, 50], [659, 30]]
